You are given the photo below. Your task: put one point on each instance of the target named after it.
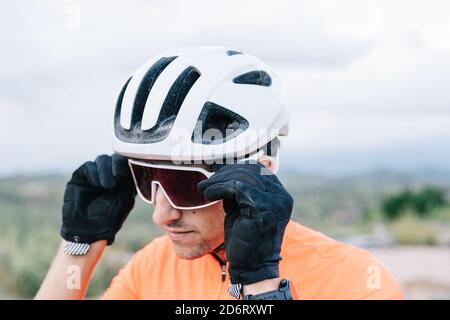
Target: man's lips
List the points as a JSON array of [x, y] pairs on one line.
[[178, 235]]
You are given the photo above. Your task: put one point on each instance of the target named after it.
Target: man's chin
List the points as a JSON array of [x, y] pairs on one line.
[[189, 252]]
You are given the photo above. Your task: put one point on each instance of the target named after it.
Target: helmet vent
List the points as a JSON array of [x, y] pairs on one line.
[[169, 110], [144, 89], [257, 77], [217, 124]]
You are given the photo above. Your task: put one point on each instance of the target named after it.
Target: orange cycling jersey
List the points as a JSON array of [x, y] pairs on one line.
[[317, 266]]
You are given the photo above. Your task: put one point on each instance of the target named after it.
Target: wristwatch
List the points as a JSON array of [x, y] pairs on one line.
[[283, 293], [76, 248]]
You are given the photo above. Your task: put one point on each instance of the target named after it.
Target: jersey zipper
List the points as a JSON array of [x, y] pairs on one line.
[[223, 267], [224, 273]]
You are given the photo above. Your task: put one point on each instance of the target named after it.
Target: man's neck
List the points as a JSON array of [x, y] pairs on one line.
[[220, 253]]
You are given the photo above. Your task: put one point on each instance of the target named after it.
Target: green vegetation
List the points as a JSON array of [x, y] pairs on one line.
[[420, 203], [340, 207], [410, 229], [413, 217]]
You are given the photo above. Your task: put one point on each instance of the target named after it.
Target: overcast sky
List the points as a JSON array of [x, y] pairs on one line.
[[367, 81]]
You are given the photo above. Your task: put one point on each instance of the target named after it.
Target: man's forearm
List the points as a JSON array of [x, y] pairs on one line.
[[69, 276], [261, 286]]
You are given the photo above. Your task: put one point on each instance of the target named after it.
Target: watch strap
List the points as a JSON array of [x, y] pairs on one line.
[[235, 290], [282, 293], [76, 248]]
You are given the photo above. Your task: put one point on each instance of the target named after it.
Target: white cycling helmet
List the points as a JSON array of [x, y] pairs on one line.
[[199, 103]]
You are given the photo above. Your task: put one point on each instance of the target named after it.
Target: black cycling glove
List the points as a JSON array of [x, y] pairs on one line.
[[258, 209], [97, 200]]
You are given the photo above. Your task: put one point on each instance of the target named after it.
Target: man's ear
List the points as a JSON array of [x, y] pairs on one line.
[[268, 162]]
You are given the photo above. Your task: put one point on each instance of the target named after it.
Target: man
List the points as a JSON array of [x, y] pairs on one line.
[[197, 134]]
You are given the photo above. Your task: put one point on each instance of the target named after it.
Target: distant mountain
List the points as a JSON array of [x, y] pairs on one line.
[[379, 176]]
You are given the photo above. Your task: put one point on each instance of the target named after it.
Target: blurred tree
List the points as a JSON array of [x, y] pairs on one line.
[[394, 205], [420, 203], [428, 199]]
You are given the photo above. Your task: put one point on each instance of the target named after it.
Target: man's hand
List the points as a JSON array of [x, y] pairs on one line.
[[97, 200], [258, 209]]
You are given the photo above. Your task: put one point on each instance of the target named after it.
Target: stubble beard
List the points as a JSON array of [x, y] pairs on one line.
[[194, 251]]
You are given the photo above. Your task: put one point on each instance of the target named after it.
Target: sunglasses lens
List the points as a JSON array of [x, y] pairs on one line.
[[179, 185], [143, 178]]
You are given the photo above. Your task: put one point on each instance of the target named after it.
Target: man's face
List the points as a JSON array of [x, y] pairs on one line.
[[193, 232]]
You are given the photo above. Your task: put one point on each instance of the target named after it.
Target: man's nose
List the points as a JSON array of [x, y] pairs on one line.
[[163, 212]]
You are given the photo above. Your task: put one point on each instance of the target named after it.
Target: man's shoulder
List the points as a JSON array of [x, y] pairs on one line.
[[333, 268], [299, 238], [312, 249]]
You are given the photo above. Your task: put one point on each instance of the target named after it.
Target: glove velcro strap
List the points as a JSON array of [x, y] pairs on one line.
[[76, 249]]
